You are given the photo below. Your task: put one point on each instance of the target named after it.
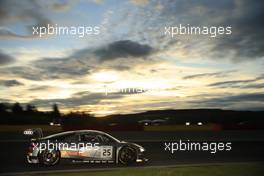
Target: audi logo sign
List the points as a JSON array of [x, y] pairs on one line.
[[28, 132]]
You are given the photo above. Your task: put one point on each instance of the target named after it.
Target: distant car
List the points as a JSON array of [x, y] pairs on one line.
[[88, 146]]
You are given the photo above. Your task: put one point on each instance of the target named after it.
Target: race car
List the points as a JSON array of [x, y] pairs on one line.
[[88, 146]]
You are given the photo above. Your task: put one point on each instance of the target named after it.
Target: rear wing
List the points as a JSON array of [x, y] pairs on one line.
[[33, 133]]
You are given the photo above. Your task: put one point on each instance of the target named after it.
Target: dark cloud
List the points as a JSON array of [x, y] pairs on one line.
[[245, 18], [8, 34], [5, 101], [27, 72], [259, 97], [83, 62], [40, 88], [123, 49], [62, 6], [235, 82], [260, 77], [37, 73], [247, 39], [12, 11], [225, 83], [240, 100], [63, 67], [48, 68], [120, 67], [5, 59], [78, 99], [216, 74], [182, 10], [253, 86], [242, 86], [10, 83]]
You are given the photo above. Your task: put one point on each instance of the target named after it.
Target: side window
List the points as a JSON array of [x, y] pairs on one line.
[[71, 138], [95, 138], [106, 139], [89, 137], [100, 138], [65, 138]]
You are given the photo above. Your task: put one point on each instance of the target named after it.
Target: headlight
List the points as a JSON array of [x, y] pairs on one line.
[[141, 149]]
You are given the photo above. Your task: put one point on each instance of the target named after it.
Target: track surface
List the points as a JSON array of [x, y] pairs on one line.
[[249, 149]]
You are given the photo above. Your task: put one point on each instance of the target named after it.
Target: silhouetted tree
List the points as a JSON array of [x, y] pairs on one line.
[[17, 108], [3, 107], [55, 110], [56, 114], [31, 108]]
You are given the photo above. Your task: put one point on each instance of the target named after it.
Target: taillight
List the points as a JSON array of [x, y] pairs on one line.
[[31, 147]]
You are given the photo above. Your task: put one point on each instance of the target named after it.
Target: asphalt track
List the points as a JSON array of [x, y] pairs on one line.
[[246, 147]]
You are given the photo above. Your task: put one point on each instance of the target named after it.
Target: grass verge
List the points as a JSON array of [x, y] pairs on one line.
[[243, 169]]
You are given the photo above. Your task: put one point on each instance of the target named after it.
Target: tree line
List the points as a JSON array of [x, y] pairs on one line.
[[14, 114]]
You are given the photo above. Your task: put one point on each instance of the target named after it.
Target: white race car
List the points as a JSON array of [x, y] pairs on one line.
[[88, 146]]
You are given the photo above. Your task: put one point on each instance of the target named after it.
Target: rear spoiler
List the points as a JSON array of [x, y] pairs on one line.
[[34, 133]]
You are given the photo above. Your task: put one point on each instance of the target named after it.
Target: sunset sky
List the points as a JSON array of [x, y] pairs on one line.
[[131, 51]]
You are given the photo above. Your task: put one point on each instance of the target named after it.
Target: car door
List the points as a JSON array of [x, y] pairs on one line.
[[67, 145], [88, 146], [106, 148]]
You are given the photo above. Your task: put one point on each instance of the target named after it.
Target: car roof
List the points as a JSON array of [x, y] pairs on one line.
[[77, 131]]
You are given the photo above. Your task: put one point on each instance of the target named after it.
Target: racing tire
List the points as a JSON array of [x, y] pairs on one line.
[[127, 155], [50, 158]]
